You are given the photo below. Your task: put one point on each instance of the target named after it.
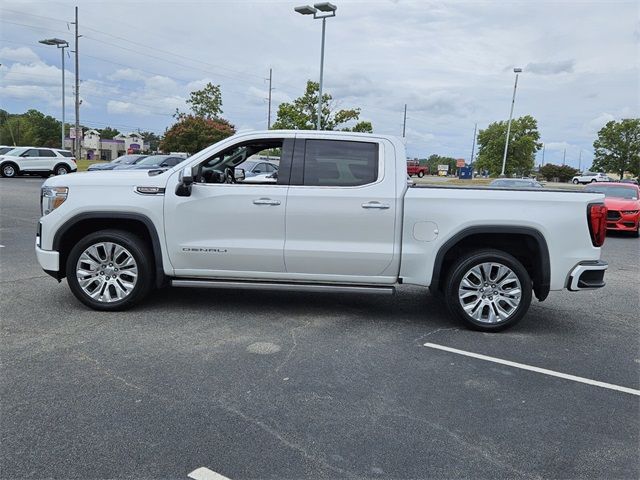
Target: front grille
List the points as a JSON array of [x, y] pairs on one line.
[[613, 215]]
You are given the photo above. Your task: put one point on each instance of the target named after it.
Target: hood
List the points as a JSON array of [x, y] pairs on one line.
[[108, 178], [103, 166], [614, 203]]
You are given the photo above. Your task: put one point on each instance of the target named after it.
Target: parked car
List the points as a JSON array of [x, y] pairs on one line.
[[414, 168], [590, 177], [262, 178], [633, 181], [623, 206], [121, 160], [153, 161], [341, 218], [4, 149], [257, 167], [516, 183], [38, 161]]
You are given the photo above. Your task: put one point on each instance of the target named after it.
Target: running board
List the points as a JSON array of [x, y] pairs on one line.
[[288, 287]]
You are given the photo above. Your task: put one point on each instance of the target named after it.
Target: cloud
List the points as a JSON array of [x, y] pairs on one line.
[[550, 68], [20, 54], [128, 74], [595, 124]]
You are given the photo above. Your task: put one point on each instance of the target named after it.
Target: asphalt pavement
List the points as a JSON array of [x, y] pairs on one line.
[[304, 386]]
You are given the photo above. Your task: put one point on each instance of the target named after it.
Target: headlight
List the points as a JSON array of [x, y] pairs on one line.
[[51, 198], [630, 212]]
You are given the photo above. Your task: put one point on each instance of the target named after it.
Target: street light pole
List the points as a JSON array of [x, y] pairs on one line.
[[513, 101], [328, 10], [61, 44]]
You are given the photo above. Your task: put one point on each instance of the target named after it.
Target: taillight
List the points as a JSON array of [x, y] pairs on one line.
[[597, 218]]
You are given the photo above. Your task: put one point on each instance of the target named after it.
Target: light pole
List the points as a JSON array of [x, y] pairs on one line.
[[61, 44], [328, 10], [513, 101]]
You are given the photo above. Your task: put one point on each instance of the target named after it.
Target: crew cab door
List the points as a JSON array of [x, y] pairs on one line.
[[341, 210], [227, 229]]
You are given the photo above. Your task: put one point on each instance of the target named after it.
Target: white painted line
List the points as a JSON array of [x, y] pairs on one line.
[[535, 369], [1, 246], [203, 473]]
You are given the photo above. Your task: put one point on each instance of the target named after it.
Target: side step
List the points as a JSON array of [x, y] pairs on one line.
[[289, 287]]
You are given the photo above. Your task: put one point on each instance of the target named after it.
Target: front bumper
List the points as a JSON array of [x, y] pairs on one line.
[[49, 260], [617, 220], [587, 276]]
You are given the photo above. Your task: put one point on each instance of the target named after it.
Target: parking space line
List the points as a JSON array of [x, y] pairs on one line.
[[535, 369], [203, 473]]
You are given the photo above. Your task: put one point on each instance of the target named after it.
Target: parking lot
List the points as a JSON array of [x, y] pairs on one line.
[[283, 385]]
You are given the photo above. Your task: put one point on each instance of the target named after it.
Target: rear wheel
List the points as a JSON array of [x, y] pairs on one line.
[[489, 290], [593, 181], [110, 270], [10, 170], [420, 174], [575, 181], [61, 170]]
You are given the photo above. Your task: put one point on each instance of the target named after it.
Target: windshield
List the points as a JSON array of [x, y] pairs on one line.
[[616, 192], [15, 152], [514, 183], [4, 150], [153, 160]]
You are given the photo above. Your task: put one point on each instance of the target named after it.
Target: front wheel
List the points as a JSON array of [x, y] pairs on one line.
[[489, 290], [575, 181], [110, 270], [10, 170], [420, 174]]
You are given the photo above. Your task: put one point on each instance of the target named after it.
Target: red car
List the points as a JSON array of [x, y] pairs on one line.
[[414, 168], [623, 205]]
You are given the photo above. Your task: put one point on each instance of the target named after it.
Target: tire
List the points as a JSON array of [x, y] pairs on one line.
[[61, 169], [485, 314], [133, 255], [575, 181], [9, 170], [420, 174], [593, 181]]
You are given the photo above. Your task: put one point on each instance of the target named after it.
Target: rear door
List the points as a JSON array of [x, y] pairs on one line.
[[47, 159], [341, 210]]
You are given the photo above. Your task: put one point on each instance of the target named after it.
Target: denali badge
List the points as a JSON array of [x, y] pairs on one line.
[[204, 250]]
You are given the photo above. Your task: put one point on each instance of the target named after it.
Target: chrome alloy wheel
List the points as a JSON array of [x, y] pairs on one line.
[[61, 171], [107, 272], [9, 171], [490, 292]]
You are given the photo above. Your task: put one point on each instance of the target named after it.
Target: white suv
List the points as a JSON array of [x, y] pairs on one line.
[[35, 160], [590, 177]]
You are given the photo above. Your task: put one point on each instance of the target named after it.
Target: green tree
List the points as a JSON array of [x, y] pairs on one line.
[[29, 128], [523, 145], [563, 173], [617, 148], [205, 103], [152, 139], [193, 133], [302, 113], [434, 160], [108, 133]]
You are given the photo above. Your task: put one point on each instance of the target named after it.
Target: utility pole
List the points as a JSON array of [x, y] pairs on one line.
[[564, 157], [580, 161], [517, 71], [269, 118], [543, 147], [76, 142], [404, 123], [473, 147]]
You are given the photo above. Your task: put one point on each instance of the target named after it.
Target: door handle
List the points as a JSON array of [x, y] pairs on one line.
[[378, 205], [266, 201]]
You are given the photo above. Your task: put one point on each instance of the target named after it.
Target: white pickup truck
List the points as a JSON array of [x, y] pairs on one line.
[[340, 217]]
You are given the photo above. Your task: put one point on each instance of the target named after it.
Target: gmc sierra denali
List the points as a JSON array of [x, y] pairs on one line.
[[339, 215]]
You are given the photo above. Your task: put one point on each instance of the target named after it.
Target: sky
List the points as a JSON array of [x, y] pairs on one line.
[[450, 62]]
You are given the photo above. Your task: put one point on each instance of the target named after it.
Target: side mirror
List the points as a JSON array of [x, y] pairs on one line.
[[239, 174], [185, 181], [274, 175]]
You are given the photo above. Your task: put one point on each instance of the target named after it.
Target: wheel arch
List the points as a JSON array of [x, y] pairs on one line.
[[88, 222], [527, 244]]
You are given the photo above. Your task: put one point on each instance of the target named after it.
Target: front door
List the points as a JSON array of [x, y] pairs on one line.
[[227, 229]]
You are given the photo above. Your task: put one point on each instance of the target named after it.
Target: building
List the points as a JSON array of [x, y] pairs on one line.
[[95, 148]]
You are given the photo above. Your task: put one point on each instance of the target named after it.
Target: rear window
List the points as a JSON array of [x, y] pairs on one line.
[[65, 153], [340, 163], [616, 192]]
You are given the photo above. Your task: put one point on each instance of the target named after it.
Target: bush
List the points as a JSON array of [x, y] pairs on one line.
[[563, 173]]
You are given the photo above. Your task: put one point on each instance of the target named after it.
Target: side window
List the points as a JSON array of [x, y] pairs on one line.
[[46, 153], [32, 152], [269, 168], [64, 153], [340, 163], [172, 162]]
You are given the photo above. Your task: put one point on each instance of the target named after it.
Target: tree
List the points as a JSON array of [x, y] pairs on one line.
[[108, 133], [29, 128], [192, 133], [563, 173], [152, 139], [523, 145], [302, 113], [617, 148], [205, 103], [434, 160]]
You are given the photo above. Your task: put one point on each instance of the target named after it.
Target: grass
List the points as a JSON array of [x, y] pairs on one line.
[[84, 164]]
